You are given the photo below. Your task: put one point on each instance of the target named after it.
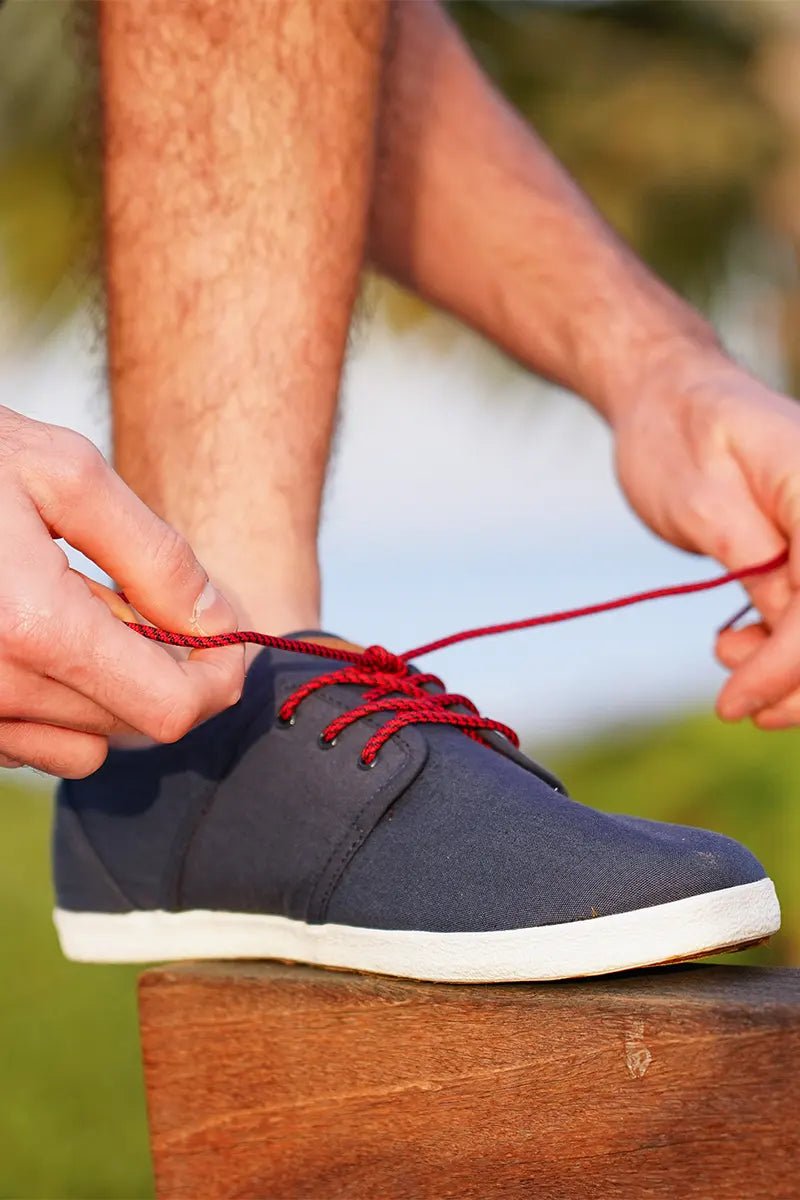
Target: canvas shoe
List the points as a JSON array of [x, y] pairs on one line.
[[320, 820]]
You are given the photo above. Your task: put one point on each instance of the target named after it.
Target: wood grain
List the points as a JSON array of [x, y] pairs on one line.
[[273, 1082]]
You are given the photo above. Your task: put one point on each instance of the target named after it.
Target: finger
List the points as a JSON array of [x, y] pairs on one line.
[[83, 500], [118, 607], [770, 594], [9, 764], [53, 625], [785, 715], [750, 538], [134, 678], [113, 601], [767, 676], [785, 712], [735, 646], [56, 751], [25, 696]]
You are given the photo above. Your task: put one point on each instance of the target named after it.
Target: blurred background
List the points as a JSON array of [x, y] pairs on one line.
[[682, 120]]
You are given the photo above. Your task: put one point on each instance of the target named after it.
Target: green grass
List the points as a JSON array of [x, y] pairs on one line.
[[72, 1118], [72, 1110]]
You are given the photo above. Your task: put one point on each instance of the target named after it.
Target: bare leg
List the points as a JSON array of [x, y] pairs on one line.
[[239, 153]]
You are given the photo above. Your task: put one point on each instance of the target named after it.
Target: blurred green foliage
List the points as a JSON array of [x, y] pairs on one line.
[[651, 108], [72, 1116], [49, 191], [649, 105]]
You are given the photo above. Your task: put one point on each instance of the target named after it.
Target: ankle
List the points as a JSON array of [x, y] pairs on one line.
[[276, 599], [268, 609]]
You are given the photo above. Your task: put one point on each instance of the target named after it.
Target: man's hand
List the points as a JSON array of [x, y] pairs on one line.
[[71, 672], [710, 459]]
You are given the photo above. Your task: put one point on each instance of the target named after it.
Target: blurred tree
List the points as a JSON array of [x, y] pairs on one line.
[[651, 106], [777, 78], [48, 191], [655, 111]]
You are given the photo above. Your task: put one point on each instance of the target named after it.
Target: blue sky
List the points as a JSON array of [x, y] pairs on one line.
[[463, 493]]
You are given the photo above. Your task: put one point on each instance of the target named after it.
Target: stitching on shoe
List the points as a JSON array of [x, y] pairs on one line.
[[184, 839], [205, 807], [346, 852], [308, 886]]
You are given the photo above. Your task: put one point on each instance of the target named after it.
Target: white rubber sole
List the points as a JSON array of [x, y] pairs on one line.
[[683, 929]]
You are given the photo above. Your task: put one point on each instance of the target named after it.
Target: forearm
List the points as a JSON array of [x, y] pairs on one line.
[[473, 212]]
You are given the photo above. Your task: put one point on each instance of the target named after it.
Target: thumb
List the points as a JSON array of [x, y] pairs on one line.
[[750, 538], [152, 563]]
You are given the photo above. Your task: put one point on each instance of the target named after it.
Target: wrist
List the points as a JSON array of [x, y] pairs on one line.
[[643, 358]]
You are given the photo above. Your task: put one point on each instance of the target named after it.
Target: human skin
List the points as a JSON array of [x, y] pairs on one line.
[[71, 672], [239, 147], [221, 196], [472, 212]]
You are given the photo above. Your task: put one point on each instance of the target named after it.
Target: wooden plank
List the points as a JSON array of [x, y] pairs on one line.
[[274, 1082]]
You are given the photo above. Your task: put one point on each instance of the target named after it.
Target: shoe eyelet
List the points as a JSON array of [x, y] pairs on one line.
[[286, 722], [365, 766], [326, 743]]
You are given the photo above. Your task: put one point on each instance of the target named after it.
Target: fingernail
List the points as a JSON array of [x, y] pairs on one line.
[[212, 612]]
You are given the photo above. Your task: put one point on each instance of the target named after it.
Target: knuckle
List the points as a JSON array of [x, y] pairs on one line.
[[704, 521], [79, 461], [23, 633], [172, 557]]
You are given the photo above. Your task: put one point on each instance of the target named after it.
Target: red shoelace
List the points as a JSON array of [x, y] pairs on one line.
[[393, 688]]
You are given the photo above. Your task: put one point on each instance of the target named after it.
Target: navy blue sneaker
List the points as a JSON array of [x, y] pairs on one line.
[[362, 818]]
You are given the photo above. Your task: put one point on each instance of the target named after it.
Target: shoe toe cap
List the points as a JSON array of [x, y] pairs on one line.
[[521, 855]]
